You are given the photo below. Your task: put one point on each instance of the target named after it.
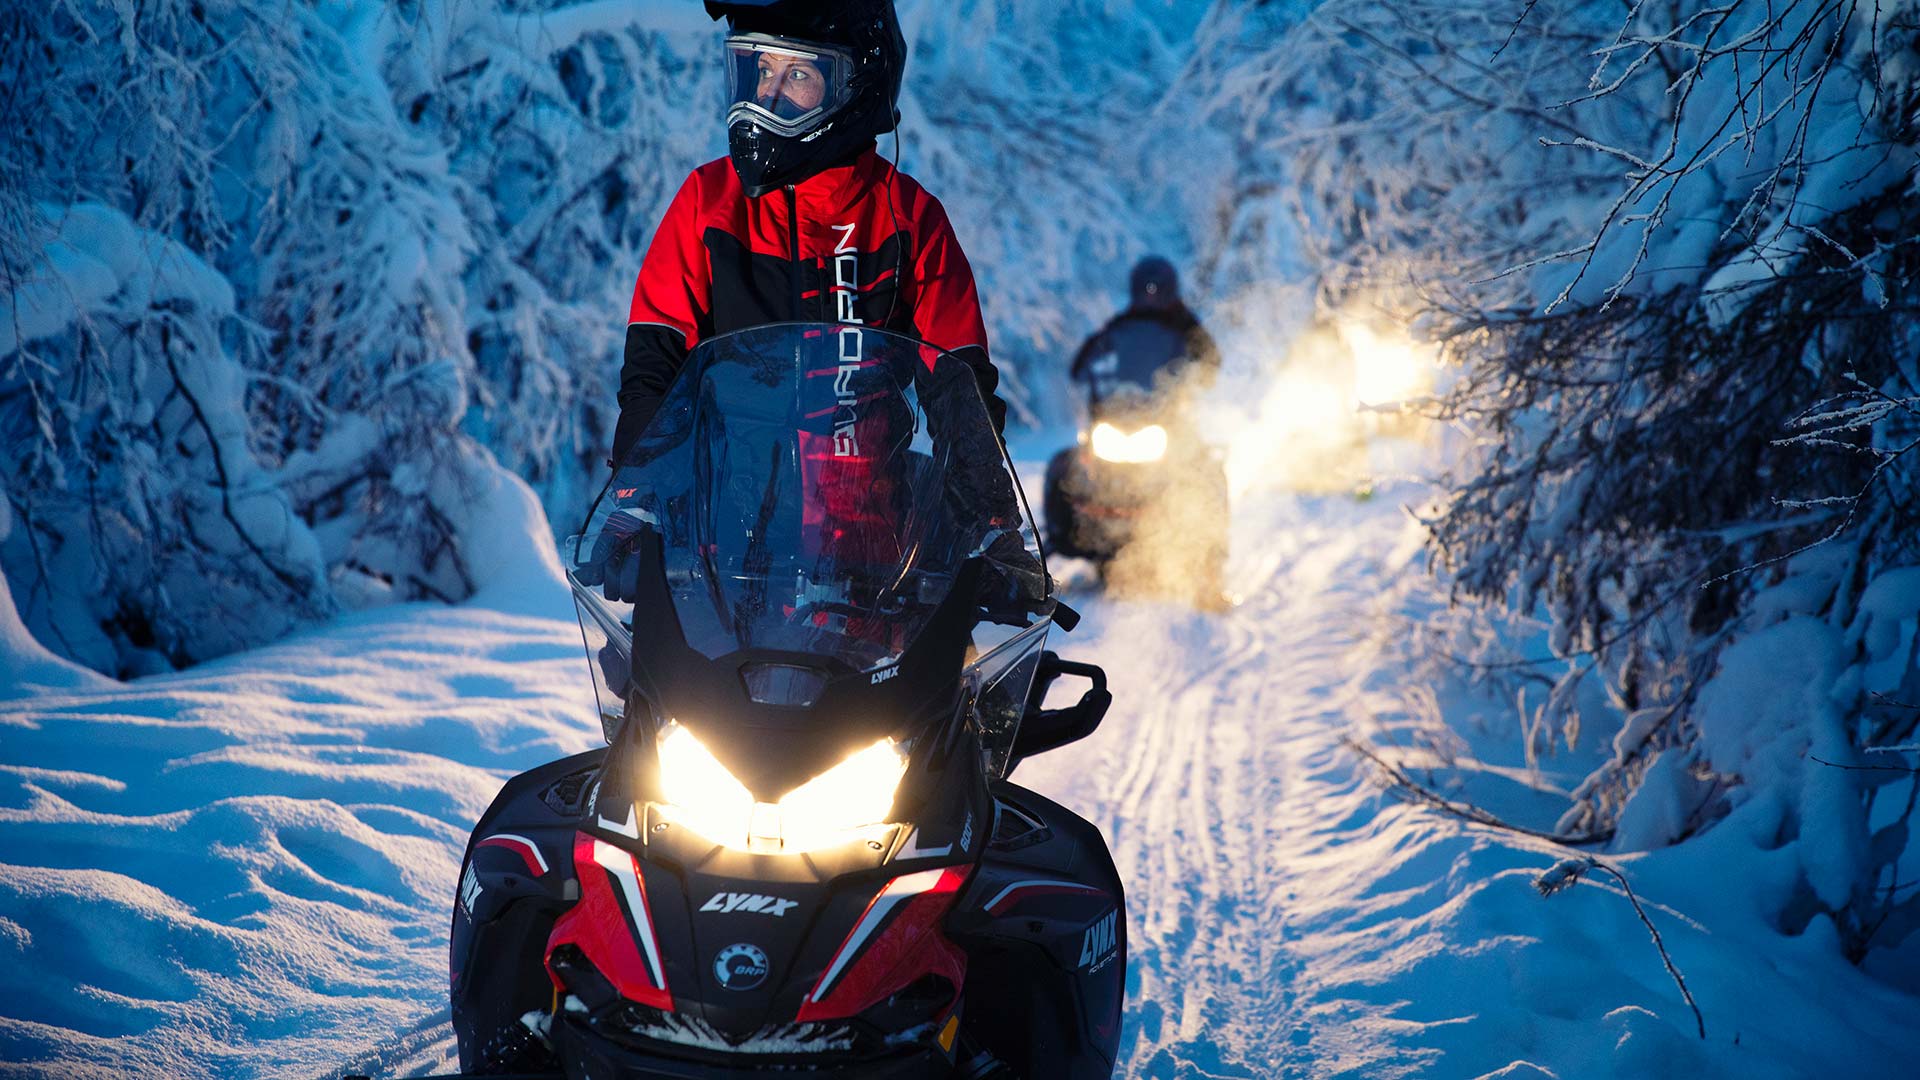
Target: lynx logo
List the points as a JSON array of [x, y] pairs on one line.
[[1097, 947], [740, 967], [883, 675], [469, 890], [729, 902], [846, 288]]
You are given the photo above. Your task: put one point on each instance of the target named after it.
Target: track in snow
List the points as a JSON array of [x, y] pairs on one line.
[[1215, 719]]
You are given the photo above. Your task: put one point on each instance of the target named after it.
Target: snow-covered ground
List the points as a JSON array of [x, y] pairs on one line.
[[244, 870]]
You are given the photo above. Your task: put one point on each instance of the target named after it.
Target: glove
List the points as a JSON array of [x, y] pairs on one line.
[[615, 562], [1015, 583]]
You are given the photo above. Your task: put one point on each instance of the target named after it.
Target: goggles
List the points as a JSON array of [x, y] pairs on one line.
[[785, 85]]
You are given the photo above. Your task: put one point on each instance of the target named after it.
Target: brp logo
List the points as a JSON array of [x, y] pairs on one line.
[[740, 967]]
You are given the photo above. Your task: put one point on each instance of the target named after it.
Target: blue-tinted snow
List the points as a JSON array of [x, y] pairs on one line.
[[245, 870]]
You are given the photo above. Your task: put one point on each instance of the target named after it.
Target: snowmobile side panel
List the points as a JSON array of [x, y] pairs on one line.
[[516, 879], [1044, 924]]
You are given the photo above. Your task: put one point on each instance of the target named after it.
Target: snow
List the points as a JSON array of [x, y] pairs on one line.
[[95, 252], [26, 666], [244, 870]]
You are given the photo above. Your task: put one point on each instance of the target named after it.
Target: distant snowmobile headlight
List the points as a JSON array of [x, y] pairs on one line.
[[703, 796], [1112, 444]]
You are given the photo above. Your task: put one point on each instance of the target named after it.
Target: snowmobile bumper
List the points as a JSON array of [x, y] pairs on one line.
[[586, 1054]]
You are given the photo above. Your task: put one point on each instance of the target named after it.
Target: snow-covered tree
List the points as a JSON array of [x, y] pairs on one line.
[[281, 277], [1670, 252]]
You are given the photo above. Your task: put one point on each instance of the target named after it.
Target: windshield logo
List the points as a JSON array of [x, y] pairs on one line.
[[740, 967], [727, 903], [846, 285]]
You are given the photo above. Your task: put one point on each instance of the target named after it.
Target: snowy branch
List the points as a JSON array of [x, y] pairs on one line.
[[1568, 872]]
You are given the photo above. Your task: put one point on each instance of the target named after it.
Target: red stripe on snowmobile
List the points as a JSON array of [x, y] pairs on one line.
[[612, 924], [883, 955], [1011, 896], [528, 851]]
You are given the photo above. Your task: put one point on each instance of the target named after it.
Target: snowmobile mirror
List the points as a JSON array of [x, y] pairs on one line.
[[930, 588], [1041, 729], [1064, 617]]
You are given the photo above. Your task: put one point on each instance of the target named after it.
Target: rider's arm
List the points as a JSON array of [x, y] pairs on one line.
[[1093, 347], [1203, 353], [672, 302], [946, 303]]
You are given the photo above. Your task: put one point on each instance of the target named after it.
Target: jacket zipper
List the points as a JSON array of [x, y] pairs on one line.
[[793, 239]]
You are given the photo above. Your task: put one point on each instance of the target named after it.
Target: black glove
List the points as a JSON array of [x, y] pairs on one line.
[[1015, 583], [615, 562]]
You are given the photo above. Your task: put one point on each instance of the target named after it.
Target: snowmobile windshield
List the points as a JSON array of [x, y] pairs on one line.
[[789, 87], [815, 489]]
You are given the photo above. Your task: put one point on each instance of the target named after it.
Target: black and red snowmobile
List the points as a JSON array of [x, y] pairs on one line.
[[1141, 495], [816, 623]]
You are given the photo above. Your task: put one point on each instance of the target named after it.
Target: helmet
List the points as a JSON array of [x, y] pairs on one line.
[[811, 83], [1154, 283]]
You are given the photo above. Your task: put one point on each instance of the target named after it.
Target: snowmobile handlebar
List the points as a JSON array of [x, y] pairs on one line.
[[1041, 729]]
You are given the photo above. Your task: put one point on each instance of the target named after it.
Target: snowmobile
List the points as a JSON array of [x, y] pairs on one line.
[[1141, 495], [799, 852]]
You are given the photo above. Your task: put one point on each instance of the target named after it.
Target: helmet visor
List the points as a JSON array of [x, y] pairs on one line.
[[785, 85]]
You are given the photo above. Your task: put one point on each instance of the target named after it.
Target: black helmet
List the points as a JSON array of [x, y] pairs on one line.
[[1154, 283], [810, 82]]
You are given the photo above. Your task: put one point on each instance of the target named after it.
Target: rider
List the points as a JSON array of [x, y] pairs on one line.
[[1154, 355], [804, 221], [1156, 342]]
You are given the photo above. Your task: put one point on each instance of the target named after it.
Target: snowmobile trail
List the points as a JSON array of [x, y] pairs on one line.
[[1190, 772], [1289, 918]]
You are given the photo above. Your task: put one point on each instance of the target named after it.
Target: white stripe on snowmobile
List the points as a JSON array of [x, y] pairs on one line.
[[620, 865], [516, 843], [1018, 885], [901, 888]]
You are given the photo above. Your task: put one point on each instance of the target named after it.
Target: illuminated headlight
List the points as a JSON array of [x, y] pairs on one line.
[[703, 796], [1112, 444], [1387, 368]]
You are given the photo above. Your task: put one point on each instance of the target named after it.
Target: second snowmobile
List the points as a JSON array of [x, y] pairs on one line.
[[816, 662], [1142, 496]]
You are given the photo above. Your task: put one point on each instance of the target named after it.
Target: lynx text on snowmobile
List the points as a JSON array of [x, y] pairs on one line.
[[1141, 491], [816, 661]]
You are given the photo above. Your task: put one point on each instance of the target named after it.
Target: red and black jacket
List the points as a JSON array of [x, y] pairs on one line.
[[859, 242]]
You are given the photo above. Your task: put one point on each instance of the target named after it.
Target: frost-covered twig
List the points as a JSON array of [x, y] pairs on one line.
[[1567, 872], [1883, 699], [1467, 811], [1863, 768]]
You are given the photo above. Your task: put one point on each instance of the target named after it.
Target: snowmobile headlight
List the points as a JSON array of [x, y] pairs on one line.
[[703, 795], [857, 792], [1111, 444], [831, 808]]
